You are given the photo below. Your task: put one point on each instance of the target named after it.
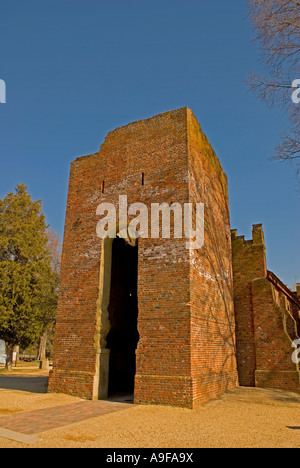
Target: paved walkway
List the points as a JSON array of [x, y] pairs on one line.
[[25, 383], [35, 422]]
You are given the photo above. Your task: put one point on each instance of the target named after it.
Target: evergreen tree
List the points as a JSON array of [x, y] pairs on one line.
[[27, 280]]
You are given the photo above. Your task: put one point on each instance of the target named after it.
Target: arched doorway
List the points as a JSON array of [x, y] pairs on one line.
[[123, 336]]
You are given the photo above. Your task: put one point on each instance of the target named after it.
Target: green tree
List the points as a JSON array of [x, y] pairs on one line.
[[27, 291]]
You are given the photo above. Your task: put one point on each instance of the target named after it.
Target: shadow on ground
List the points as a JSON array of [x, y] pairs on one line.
[[31, 384], [282, 395]]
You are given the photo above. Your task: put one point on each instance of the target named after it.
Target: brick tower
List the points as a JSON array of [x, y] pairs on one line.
[[267, 318], [155, 318]]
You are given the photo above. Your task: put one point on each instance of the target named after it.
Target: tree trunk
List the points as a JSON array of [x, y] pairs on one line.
[[9, 356]]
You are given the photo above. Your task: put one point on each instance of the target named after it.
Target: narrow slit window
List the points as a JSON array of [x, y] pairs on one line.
[[143, 178], [103, 186]]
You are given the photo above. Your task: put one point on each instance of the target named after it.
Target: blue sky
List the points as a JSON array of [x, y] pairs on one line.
[[76, 69]]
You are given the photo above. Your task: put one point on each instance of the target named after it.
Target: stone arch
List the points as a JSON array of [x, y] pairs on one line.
[[103, 325]]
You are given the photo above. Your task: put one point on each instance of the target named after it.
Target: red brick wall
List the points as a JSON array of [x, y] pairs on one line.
[[212, 311], [75, 356], [249, 262], [275, 330], [185, 352], [190, 336], [267, 318], [156, 147]]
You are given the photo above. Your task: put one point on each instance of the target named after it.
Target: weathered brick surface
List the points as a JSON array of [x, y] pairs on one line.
[[267, 318], [248, 263], [203, 313], [211, 283], [185, 322]]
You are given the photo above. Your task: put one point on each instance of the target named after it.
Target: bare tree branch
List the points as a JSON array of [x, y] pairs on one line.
[[277, 27]]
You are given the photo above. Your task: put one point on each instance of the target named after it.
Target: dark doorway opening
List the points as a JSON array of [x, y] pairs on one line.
[[123, 336]]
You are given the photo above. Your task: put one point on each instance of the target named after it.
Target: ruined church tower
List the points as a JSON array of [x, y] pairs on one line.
[[153, 319]]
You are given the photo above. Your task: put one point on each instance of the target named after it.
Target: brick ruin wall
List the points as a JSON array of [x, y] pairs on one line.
[[212, 311], [186, 350], [267, 318], [203, 314]]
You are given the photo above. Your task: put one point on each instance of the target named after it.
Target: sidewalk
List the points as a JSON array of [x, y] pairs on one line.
[[35, 422], [243, 417]]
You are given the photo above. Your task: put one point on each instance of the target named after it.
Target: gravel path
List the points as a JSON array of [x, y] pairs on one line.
[[244, 417]]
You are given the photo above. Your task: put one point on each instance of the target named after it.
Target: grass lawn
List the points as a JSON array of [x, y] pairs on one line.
[[21, 368]]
